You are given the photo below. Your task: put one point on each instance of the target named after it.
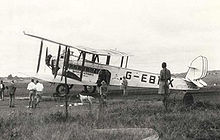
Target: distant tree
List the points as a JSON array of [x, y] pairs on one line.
[[16, 77], [10, 76]]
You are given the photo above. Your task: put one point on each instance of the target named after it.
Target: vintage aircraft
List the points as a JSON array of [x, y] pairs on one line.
[[83, 66]]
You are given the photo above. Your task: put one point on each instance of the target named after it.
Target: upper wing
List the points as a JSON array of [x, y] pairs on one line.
[[84, 49]]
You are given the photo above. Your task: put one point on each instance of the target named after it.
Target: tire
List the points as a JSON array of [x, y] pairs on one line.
[[89, 89], [188, 99], [62, 90]]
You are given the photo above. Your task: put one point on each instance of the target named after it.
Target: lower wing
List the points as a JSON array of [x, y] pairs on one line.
[[50, 78]]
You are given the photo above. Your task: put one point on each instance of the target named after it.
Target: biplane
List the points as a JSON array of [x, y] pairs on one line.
[[84, 66]]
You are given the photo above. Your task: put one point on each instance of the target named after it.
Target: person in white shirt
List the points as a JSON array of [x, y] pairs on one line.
[[32, 90], [39, 90]]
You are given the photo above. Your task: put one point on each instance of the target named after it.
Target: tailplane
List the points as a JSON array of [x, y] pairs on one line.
[[197, 70]]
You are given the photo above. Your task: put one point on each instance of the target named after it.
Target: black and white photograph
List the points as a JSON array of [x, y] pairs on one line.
[[110, 70]]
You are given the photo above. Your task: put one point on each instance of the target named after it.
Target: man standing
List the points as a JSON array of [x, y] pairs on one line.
[[165, 75], [39, 90], [32, 90], [102, 101], [2, 90], [11, 91], [103, 75], [124, 85], [103, 90]]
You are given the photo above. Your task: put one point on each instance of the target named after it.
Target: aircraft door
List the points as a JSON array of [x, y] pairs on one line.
[[104, 75]]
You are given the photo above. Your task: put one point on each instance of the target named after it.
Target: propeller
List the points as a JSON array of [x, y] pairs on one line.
[[39, 58], [57, 62]]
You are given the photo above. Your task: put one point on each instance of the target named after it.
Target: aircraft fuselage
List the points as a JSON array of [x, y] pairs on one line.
[[135, 78]]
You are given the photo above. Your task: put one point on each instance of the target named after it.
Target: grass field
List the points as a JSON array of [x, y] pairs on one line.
[[48, 121], [201, 121]]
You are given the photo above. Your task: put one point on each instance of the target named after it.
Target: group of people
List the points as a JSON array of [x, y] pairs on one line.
[[36, 88], [35, 92]]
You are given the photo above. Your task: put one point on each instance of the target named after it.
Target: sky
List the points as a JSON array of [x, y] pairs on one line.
[[153, 31]]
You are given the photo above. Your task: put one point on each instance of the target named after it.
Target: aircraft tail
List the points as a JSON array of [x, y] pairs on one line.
[[197, 70]]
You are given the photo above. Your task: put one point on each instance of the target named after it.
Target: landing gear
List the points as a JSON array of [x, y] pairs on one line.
[[188, 99], [62, 89], [181, 97], [89, 89]]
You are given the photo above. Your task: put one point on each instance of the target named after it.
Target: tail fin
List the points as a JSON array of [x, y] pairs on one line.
[[197, 70]]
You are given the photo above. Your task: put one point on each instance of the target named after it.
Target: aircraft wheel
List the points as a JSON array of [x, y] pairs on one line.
[[62, 90], [188, 99], [89, 89]]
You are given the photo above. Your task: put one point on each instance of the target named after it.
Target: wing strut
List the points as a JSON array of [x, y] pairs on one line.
[[66, 62], [57, 62], [46, 52], [39, 58], [83, 65], [67, 53], [122, 59], [126, 65], [63, 69]]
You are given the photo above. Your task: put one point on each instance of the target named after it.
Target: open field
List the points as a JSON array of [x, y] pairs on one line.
[[48, 121], [201, 121]]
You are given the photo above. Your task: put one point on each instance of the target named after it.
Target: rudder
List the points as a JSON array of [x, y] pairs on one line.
[[197, 70]]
